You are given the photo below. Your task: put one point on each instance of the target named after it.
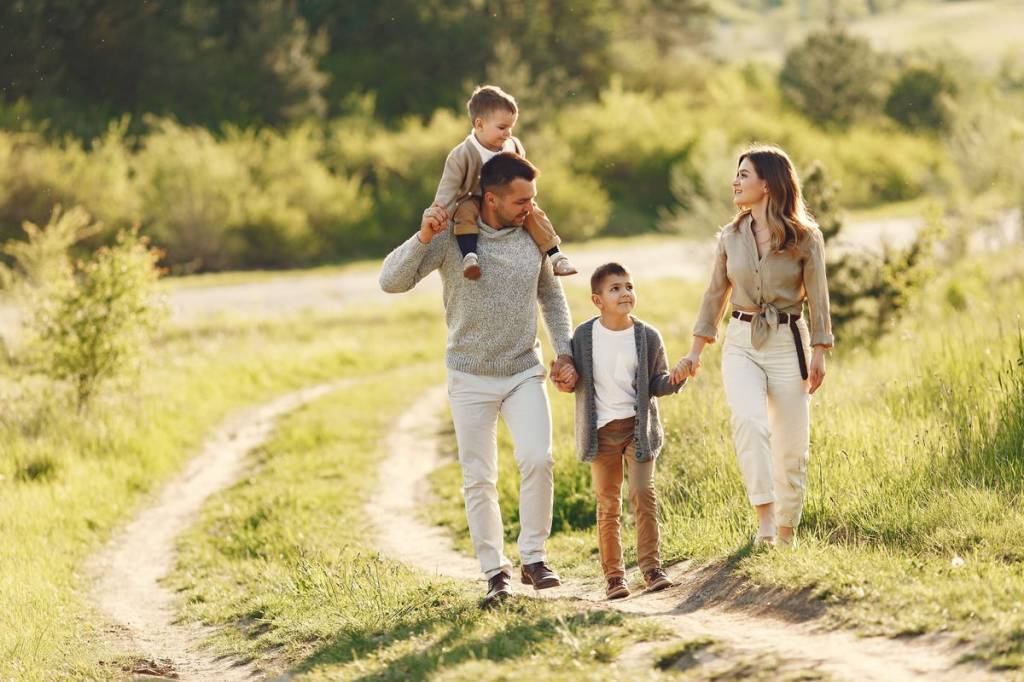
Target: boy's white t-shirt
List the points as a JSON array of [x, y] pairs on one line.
[[615, 364], [485, 153]]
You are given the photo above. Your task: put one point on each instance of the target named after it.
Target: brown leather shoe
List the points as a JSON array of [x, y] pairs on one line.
[[657, 580], [617, 588], [499, 587], [540, 576]]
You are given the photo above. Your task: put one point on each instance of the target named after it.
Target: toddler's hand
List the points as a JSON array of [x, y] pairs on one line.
[[444, 213]]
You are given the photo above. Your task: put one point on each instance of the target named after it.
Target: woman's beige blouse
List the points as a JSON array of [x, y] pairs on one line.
[[779, 282]]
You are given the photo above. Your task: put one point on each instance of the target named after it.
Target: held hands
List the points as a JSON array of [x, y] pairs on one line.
[[684, 369], [435, 221], [816, 372], [563, 373]]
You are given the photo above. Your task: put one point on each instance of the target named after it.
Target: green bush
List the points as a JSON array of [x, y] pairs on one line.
[[629, 142], [868, 291], [921, 97], [576, 203], [193, 194], [833, 77], [37, 175], [89, 321], [400, 169], [253, 199], [97, 325]]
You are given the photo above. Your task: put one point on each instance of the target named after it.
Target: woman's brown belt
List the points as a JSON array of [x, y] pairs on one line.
[[784, 318]]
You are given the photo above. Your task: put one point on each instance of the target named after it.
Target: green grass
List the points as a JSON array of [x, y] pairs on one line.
[[66, 481], [242, 277], [912, 521], [282, 563]]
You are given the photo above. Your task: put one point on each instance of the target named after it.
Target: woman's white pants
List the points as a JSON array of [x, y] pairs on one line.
[[770, 416]]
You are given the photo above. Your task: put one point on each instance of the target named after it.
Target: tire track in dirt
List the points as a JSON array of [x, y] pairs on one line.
[[129, 570], [689, 610]]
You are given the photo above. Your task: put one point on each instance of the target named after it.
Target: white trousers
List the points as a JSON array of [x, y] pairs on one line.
[[770, 416], [522, 400]]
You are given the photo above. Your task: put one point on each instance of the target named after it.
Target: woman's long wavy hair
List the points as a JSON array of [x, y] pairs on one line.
[[788, 220]]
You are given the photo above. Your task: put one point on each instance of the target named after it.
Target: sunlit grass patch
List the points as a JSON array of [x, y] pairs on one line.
[[912, 521], [66, 481], [284, 564]]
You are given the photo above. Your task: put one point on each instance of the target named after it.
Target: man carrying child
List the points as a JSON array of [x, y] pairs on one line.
[[494, 362]]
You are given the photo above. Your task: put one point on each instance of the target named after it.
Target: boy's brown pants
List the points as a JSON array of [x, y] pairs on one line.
[[615, 444], [538, 226]]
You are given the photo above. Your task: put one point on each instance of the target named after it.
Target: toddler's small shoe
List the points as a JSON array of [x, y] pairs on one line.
[[562, 266], [471, 266], [617, 588]]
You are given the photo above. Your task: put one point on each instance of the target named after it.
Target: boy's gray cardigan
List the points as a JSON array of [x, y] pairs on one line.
[[651, 381]]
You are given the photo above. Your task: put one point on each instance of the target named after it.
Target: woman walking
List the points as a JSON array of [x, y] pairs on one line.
[[770, 259]]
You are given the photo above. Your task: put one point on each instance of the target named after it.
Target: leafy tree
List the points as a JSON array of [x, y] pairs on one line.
[[82, 63], [833, 77], [921, 98]]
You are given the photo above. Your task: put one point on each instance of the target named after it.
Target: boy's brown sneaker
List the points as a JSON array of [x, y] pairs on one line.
[[656, 580], [471, 266], [617, 588]]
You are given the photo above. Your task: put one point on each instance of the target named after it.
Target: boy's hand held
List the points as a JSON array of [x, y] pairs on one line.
[[563, 373], [683, 370]]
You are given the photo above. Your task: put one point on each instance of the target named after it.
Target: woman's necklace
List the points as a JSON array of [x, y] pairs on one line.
[[762, 244]]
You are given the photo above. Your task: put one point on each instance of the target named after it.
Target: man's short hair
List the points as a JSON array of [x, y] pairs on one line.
[[604, 272], [502, 169], [487, 99]]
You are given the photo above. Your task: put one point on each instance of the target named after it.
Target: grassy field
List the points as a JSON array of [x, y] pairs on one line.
[[912, 522], [67, 481]]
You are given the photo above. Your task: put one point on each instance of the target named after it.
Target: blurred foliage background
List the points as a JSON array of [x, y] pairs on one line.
[[289, 133]]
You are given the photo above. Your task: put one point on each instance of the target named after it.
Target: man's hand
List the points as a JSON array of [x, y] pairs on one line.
[[563, 373], [435, 221]]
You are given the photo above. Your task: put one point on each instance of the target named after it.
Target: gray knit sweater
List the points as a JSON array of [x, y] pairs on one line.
[[651, 381], [492, 322]]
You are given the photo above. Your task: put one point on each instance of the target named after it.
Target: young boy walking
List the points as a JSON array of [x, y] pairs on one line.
[[494, 114], [622, 369]]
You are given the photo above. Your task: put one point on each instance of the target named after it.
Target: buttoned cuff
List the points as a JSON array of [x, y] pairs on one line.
[[706, 331], [820, 339]]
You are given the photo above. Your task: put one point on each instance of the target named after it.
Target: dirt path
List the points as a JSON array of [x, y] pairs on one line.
[[128, 572], [703, 604]]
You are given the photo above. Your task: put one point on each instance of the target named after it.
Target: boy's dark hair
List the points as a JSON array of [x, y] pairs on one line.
[[502, 169], [604, 272], [487, 99]]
